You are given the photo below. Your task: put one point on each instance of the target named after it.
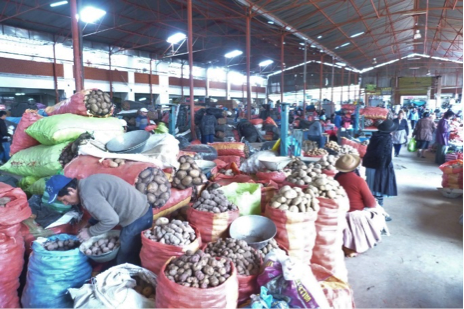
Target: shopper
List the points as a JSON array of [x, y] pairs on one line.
[[110, 201], [5, 138], [363, 227], [400, 136], [315, 132], [413, 117], [442, 138], [208, 127], [378, 162], [142, 119], [338, 120], [423, 133]]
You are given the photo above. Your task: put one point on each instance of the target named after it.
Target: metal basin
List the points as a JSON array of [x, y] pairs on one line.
[[275, 163], [130, 142], [257, 231]]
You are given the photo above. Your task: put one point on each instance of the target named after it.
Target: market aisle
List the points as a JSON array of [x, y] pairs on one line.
[[420, 264]]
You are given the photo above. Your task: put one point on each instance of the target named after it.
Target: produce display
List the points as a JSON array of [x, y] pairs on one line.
[[368, 122], [143, 287], [176, 232], [333, 146], [295, 200], [198, 270], [102, 246], [154, 183], [115, 163], [303, 174], [378, 122], [189, 174], [61, 245], [317, 152], [295, 164], [245, 258], [326, 163], [309, 145], [214, 201], [268, 248], [4, 200], [323, 186], [347, 149], [97, 102], [67, 155]]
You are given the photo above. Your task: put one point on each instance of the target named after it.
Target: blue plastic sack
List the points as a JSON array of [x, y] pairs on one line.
[[51, 273]]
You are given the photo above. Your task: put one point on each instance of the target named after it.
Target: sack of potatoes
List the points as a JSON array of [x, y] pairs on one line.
[[97, 102], [326, 187], [316, 152], [245, 258], [175, 233], [304, 174], [295, 164], [102, 246], [188, 175], [198, 270], [66, 155], [327, 162], [143, 287], [153, 182], [294, 200], [272, 245], [333, 145], [214, 200], [61, 245], [113, 162], [347, 149]]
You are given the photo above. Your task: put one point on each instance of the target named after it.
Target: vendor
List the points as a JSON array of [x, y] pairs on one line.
[[365, 220], [208, 127], [110, 201], [142, 119], [442, 139], [315, 133]]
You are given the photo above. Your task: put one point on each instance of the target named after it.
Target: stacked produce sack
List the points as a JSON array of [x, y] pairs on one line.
[[13, 209], [452, 174]]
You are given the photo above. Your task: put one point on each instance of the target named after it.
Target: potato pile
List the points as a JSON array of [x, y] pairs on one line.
[[103, 246], [154, 183], [66, 155], [327, 163], [324, 186], [113, 162], [316, 152], [295, 164], [268, 248], [333, 145], [97, 102], [144, 288], [347, 149], [214, 201], [245, 258], [189, 174], [198, 270], [61, 245], [294, 200], [176, 232], [309, 145], [4, 200], [303, 175]]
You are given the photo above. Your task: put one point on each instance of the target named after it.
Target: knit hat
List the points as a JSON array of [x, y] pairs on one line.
[[347, 163]]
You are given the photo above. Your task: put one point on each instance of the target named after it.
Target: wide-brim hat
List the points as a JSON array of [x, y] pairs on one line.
[[388, 126], [347, 163]]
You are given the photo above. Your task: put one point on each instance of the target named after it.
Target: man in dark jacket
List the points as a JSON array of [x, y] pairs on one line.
[[5, 138], [249, 131], [208, 127]]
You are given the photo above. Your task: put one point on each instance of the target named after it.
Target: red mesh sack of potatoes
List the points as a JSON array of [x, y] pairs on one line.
[[230, 159], [361, 148], [155, 254], [229, 149], [268, 190], [21, 140], [329, 225], [211, 226], [11, 266], [11, 230], [373, 112], [89, 102], [14, 207], [296, 232], [178, 199], [172, 295]]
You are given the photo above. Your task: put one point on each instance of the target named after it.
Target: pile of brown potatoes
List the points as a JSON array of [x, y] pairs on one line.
[[327, 187], [153, 182], [144, 288], [189, 174], [214, 201], [97, 102], [294, 200], [176, 232], [61, 245], [103, 246]]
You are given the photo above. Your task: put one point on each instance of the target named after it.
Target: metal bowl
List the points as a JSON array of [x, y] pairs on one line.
[[130, 142], [257, 231], [103, 257], [205, 166], [275, 163]]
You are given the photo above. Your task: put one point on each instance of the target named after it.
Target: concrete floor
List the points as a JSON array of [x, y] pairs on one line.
[[420, 264]]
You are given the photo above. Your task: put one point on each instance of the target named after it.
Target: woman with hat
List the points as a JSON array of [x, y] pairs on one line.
[[363, 226], [380, 174]]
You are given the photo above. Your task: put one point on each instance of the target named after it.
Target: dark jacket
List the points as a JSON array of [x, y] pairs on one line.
[[402, 125], [4, 136], [423, 131], [208, 124], [379, 151]]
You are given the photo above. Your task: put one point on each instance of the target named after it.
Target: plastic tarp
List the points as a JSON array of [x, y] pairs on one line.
[[247, 197]]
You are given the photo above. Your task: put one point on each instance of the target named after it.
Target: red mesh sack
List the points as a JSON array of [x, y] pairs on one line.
[[179, 198], [271, 121], [195, 142], [338, 293], [17, 209], [330, 173], [361, 148], [11, 230], [172, 295], [278, 177], [452, 167], [220, 164], [154, 254], [373, 112], [76, 105], [229, 149], [296, 232], [225, 180], [329, 225], [230, 159], [268, 190], [211, 226], [21, 140], [11, 266]]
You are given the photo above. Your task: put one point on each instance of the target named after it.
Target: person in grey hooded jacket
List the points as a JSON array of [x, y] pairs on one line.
[[208, 127]]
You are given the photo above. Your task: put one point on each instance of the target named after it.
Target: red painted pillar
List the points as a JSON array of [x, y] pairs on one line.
[[190, 57], [248, 64], [78, 76]]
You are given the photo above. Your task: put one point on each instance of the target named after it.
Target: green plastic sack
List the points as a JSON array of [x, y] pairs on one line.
[[38, 161], [56, 205], [57, 129], [161, 128], [27, 181], [247, 197], [37, 187], [412, 145]]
